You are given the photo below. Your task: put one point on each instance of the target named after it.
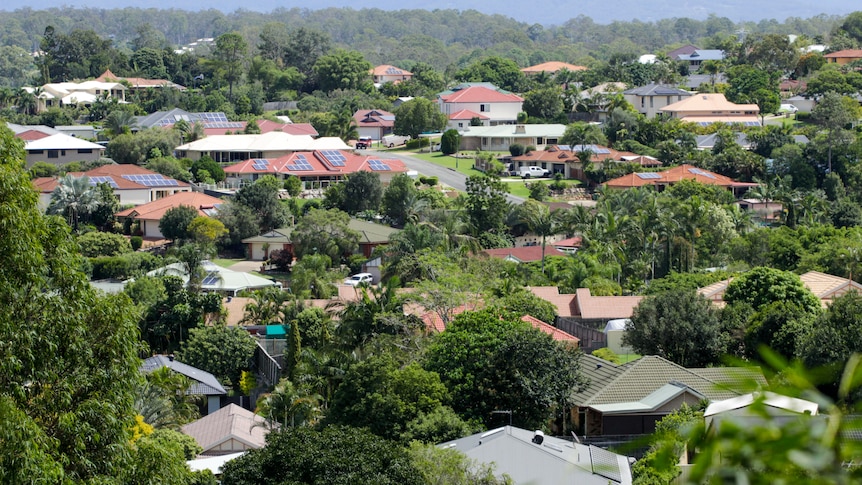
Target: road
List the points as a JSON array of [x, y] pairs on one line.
[[446, 176]]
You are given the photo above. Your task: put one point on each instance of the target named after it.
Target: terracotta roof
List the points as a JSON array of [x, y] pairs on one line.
[[481, 94], [827, 286], [116, 173], [569, 154], [591, 307], [466, 114], [153, 211], [229, 422], [319, 163], [553, 67], [138, 82], [32, 135], [388, 70], [524, 254], [670, 176], [554, 332], [374, 117], [572, 242], [565, 303], [707, 102], [848, 53]]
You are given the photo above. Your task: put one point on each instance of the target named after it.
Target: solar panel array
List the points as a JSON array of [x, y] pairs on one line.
[[212, 279], [648, 175], [212, 116], [393, 70], [225, 124], [564, 148], [378, 165], [151, 180], [334, 157], [260, 164], [103, 180], [698, 171], [299, 164], [593, 148]]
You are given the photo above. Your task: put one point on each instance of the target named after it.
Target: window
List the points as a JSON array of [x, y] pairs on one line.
[[651, 98], [37, 152], [461, 125], [53, 154], [85, 150], [540, 141], [484, 108]]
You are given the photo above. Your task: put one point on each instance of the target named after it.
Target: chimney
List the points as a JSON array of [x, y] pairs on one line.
[[520, 130]]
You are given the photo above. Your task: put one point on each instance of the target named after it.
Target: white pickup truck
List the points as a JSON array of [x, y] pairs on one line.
[[395, 140], [533, 171]]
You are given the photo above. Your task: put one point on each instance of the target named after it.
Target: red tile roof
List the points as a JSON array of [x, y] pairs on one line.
[[554, 332], [553, 67], [374, 117], [115, 171], [848, 53], [319, 164], [153, 211], [466, 114], [30, 135], [604, 307], [670, 176], [481, 94], [556, 154], [389, 70], [524, 254], [572, 242]]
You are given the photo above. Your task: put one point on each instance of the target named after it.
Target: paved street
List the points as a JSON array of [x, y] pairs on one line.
[[449, 177]]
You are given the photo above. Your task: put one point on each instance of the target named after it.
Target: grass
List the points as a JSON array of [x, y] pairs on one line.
[[226, 262], [624, 358], [463, 165]]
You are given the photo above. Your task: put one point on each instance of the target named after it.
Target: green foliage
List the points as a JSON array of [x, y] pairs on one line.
[[437, 426], [95, 244], [261, 198], [123, 266], [221, 350], [658, 466], [136, 242], [763, 286], [400, 199], [342, 69], [523, 302], [336, 455], [174, 225], [418, 116], [161, 457], [211, 166], [324, 232], [607, 354], [362, 192], [516, 149], [450, 142], [136, 148], [685, 281], [293, 185], [681, 326], [486, 203], [437, 465]]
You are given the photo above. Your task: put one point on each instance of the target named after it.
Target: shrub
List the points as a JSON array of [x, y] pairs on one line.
[[418, 143], [281, 258], [607, 354], [137, 242], [516, 149]]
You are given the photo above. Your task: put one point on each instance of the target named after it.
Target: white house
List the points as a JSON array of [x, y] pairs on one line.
[[498, 138], [498, 106], [84, 93], [60, 149]]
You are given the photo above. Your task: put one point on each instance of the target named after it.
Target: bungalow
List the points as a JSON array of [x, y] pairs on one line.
[[132, 184], [552, 67], [217, 123], [499, 106], [371, 235], [77, 94], [385, 73], [531, 457], [58, 148], [234, 148], [231, 429], [465, 118], [203, 383], [140, 83], [500, 137], [374, 123], [564, 159], [708, 108], [696, 58], [151, 213], [666, 178], [316, 169], [649, 99], [826, 287], [685, 50], [843, 57]]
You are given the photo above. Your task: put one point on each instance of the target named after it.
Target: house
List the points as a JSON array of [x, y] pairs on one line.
[[665, 178], [696, 58], [500, 137], [229, 430], [132, 184], [217, 279], [76, 94], [235, 148], [523, 254], [826, 287], [708, 108], [316, 169], [552, 67], [843, 57], [374, 123], [649, 99], [371, 235], [592, 102], [708, 142], [203, 383], [385, 73], [465, 118], [139, 83], [59, 149], [150, 214], [685, 50], [531, 457], [753, 408], [629, 399], [217, 123], [499, 106], [564, 159]]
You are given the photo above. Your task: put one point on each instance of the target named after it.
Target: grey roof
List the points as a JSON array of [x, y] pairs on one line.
[[552, 461], [650, 403], [153, 118], [801, 139], [657, 90], [708, 141], [203, 383], [599, 373], [692, 81], [18, 129], [703, 55], [369, 233], [228, 423]]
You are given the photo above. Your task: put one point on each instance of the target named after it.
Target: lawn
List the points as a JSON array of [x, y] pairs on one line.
[[462, 165], [226, 262]]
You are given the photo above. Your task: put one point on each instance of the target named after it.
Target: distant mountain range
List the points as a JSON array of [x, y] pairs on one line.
[[547, 12]]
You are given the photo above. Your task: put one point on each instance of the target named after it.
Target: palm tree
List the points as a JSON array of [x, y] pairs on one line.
[[290, 405], [267, 307], [119, 122], [27, 102], [539, 221], [74, 197]]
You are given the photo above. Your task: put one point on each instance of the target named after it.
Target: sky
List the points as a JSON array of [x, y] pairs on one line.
[[547, 12]]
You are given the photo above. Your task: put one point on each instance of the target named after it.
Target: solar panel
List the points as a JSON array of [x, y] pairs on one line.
[[211, 280], [103, 180], [334, 157], [151, 180], [698, 171], [212, 116], [378, 165], [648, 175], [260, 164], [564, 147], [393, 70], [299, 164]]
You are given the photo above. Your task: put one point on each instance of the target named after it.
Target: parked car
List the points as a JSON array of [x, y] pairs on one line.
[[364, 142], [788, 108], [358, 279], [395, 140], [533, 171]]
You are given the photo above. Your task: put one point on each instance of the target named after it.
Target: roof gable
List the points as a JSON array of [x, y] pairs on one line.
[[480, 94], [203, 382], [229, 422]]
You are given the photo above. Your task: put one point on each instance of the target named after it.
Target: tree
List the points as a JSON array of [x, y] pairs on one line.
[[139, 147], [119, 122], [220, 350], [211, 166], [262, 198], [337, 455], [73, 197], [544, 103], [493, 361], [539, 221], [325, 232], [417, 116], [486, 203], [852, 25], [833, 113], [230, 51], [94, 244], [450, 142], [762, 286], [174, 225], [523, 302], [362, 192], [679, 325], [67, 385], [835, 336], [160, 457], [503, 73], [293, 185], [289, 406], [397, 198], [343, 69]]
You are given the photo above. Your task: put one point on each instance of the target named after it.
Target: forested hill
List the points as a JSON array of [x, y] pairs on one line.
[[547, 12], [439, 37]]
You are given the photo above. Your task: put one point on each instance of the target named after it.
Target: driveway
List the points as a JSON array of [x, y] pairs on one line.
[[456, 180]]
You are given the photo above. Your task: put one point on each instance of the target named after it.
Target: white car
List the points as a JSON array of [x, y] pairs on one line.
[[392, 141], [358, 279], [788, 108], [533, 171]]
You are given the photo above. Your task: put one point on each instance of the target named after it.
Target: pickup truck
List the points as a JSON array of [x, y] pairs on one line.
[[395, 140], [533, 171]]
